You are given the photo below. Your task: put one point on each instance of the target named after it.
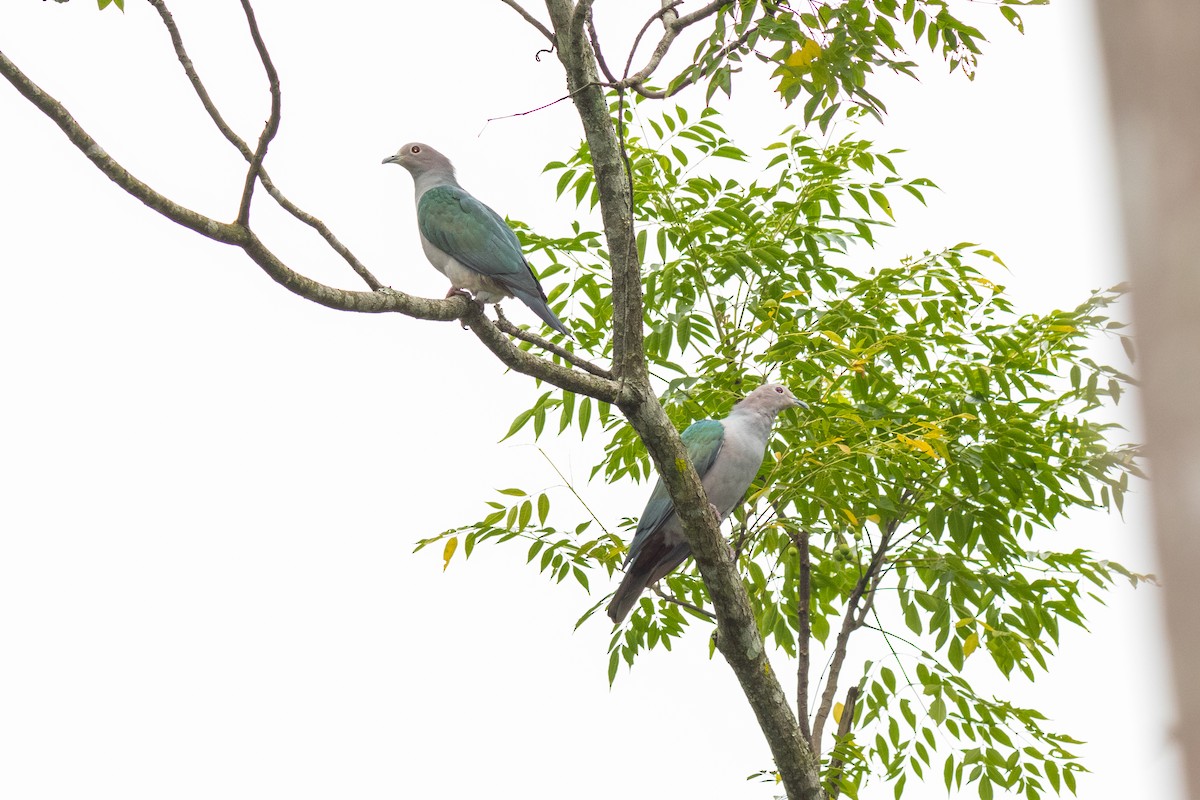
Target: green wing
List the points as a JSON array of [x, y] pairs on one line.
[[476, 236], [703, 440]]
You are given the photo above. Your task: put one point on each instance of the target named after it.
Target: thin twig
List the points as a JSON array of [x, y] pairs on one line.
[[672, 599], [568, 484], [637, 82], [661, 48], [228, 132], [512, 330], [591, 26], [542, 107], [531, 19], [272, 126]]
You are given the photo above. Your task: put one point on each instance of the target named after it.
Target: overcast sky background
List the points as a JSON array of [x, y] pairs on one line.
[[211, 488]]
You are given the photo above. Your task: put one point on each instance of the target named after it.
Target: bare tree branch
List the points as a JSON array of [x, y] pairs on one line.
[[591, 26], [670, 598], [660, 49], [382, 301], [531, 19], [228, 132], [512, 330], [193, 220], [638, 83], [272, 126], [804, 640], [853, 619], [672, 30]]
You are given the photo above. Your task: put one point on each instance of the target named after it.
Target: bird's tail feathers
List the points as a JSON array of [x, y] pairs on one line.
[[627, 594], [539, 307]]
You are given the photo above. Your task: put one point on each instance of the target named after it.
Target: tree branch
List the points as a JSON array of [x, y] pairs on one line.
[[804, 640], [660, 49], [193, 220], [531, 19], [272, 126], [228, 132], [637, 83], [591, 26], [382, 301], [738, 636], [835, 764], [526, 336], [585, 89], [672, 30], [670, 598], [851, 621]]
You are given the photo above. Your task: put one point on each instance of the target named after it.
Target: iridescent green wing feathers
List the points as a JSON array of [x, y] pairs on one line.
[[703, 440]]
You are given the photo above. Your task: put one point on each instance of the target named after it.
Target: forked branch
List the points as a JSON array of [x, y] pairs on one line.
[[272, 126], [240, 235], [531, 19], [206, 100], [854, 618]]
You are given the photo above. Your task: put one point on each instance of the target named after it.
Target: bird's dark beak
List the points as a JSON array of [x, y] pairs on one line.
[[392, 160], [802, 404]]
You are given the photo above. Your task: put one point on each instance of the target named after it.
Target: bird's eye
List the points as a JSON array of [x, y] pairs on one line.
[[414, 149], [778, 390]]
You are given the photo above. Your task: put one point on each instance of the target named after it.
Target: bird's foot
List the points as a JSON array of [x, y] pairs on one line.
[[716, 512], [457, 292]]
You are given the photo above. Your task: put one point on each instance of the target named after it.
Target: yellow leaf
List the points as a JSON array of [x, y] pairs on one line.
[[804, 56], [448, 553], [838, 708], [850, 516], [964, 621], [778, 777], [1063, 328], [970, 644], [843, 448], [792, 293], [833, 337], [917, 444]]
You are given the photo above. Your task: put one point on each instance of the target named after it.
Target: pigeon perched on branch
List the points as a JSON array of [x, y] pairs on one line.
[[465, 240], [726, 454]]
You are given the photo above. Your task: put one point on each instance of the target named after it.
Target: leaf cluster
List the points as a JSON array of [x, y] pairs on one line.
[[948, 434]]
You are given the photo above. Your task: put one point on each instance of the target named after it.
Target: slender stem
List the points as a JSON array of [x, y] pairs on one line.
[[673, 599], [512, 330], [243, 148], [530, 18], [569, 485], [272, 126], [591, 26], [664, 44], [374, 302]]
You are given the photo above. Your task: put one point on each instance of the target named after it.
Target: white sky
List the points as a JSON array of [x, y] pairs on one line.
[[211, 488]]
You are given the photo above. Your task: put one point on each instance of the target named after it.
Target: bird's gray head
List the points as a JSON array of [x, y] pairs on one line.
[[419, 159], [771, 398]]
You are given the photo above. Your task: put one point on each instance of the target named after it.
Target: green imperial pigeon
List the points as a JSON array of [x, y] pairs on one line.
[[465, 240], [727, 454]]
